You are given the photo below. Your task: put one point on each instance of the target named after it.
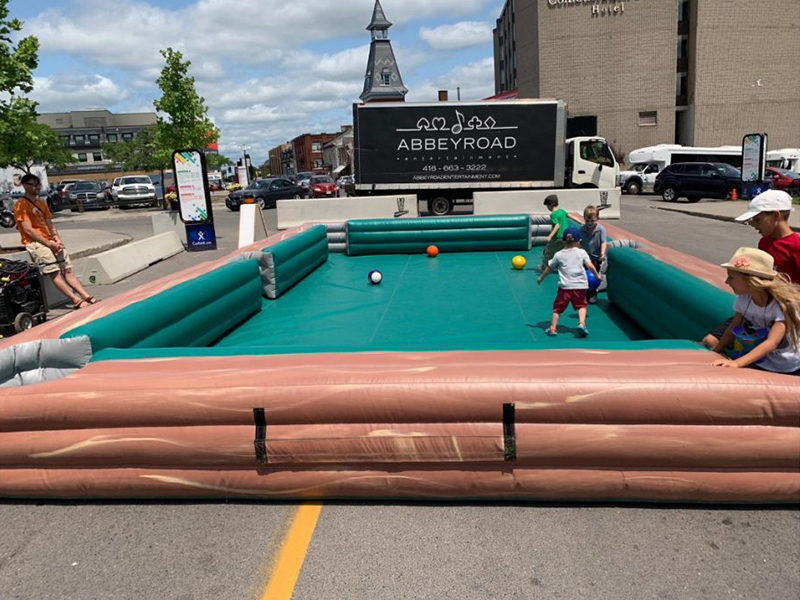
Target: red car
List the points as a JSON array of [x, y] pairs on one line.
[[322, 186], [783, 179]]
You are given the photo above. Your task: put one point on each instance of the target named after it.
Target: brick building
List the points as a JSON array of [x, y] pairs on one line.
[[307, 150], [692, 72], [275, 165]]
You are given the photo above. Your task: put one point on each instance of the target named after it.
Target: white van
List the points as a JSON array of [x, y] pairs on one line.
[[785, 158]]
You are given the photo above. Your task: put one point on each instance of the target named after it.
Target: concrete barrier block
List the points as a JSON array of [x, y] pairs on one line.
[[532, 201], [112, 265], [292, 213], [169, 221]]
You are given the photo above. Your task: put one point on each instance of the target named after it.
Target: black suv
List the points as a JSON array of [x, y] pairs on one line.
[[695, 180]]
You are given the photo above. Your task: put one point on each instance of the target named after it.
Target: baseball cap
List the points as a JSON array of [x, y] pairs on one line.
[[767, 202], [574, 232]]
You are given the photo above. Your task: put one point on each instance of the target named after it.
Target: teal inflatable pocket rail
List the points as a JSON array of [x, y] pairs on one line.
[[193, 313], [292, 259], [449, 234], [663, 300]]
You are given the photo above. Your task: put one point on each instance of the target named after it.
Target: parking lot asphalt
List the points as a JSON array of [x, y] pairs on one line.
[[724, 210]]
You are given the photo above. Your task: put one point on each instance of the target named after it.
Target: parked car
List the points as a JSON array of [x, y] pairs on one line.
[[57, 195], [215, 185], [303, 182], [134, 189], [266, 193], [90, 194], [345, 180], [322, 186], [783, 179], [695, 180]]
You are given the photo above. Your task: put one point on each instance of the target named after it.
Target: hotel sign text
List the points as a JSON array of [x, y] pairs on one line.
[[599, 8]]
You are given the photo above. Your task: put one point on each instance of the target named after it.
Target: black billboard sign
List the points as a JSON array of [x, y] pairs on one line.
[[441, 143]]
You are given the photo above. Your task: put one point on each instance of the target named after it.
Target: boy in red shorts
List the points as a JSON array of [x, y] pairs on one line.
[[769, 214], [571, 264]]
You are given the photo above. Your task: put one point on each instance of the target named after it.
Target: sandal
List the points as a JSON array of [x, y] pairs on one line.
[[80, 304], [89, 299]]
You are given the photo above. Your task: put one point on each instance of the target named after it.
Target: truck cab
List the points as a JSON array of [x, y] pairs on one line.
[[590, 163], [639, 178]]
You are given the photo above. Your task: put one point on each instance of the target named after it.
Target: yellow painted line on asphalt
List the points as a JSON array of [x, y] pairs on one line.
[[293, 553]]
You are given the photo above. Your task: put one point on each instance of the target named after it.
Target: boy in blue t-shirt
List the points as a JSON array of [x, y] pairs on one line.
[[593, 240]]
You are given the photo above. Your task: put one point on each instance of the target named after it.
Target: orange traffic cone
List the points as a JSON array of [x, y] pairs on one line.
[[734, 195]]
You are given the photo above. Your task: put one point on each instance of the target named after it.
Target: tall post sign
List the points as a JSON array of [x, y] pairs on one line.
[[754, 155], [194, 199]]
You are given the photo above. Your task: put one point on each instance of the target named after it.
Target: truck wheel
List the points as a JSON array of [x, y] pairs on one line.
[[670, 194], [23, 321], [633, 188], [440, 206]]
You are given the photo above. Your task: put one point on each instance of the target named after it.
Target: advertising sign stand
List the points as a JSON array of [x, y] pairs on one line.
[[194, 199], [754, 154]]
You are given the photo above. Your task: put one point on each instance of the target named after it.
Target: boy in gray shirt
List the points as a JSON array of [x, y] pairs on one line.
[[571, 264], [593, 240]]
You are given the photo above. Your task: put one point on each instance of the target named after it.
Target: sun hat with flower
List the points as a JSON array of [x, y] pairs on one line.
[[752, 261]]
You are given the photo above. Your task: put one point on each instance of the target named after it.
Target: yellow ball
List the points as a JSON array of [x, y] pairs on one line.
[[518, 262]]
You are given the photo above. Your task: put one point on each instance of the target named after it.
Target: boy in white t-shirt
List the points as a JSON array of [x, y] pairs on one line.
[[571, 264]]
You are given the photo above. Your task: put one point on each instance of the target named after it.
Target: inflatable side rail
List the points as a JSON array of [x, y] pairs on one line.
[[43, 360]]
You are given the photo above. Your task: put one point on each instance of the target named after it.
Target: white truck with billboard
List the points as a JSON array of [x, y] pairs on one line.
[[646, 163], [445, 152]]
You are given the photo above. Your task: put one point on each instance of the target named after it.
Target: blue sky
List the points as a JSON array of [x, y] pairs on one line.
[[269, 69]]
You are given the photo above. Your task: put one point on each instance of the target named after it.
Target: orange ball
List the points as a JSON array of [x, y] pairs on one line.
[[432, 251]]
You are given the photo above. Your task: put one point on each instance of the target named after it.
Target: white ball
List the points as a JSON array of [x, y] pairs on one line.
[[375, 277]]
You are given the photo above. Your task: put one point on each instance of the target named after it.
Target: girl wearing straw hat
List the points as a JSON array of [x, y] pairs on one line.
[[765, 330]]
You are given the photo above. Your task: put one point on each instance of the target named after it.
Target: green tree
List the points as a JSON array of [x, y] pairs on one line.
[[16, 63], [183, 120], [215, 161], [141, 153], [23, 141]]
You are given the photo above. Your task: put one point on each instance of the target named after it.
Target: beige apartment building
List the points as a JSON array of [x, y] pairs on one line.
[[645, 72]]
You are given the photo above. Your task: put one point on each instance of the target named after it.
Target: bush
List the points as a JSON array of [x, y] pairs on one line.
[[234, 186], [170, 196]]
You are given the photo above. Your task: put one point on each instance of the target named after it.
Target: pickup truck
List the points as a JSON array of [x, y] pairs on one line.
[[134, 189]]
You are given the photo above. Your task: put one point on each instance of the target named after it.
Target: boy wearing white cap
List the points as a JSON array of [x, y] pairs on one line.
[[769, 214]]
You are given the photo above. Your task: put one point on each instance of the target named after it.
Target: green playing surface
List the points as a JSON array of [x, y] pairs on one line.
[[462, 300]]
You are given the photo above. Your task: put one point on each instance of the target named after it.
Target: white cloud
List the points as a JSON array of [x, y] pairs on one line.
[[269, 70], [75, 91], [458, 35], [475, 80]]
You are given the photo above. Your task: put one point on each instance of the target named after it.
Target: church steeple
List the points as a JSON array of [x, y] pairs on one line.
[[382, 81]]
